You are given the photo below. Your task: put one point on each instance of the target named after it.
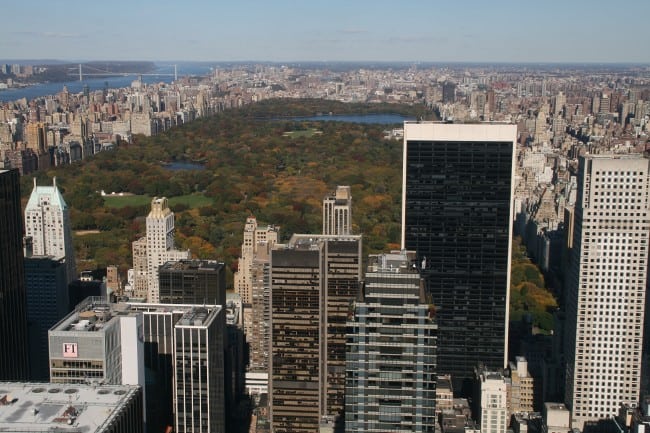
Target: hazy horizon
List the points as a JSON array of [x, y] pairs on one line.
[[336, 31]]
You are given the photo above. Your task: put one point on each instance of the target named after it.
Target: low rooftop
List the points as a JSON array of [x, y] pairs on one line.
[[45, 407]]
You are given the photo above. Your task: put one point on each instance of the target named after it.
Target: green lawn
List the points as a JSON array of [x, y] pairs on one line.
[[191, 200], [302, 133]]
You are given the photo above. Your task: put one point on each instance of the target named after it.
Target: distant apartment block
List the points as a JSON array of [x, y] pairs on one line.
[[337, 212]]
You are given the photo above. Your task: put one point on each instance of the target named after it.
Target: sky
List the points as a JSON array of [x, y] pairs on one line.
[[568, 31]]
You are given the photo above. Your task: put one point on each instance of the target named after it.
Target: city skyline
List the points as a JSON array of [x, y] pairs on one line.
[[333, 31]]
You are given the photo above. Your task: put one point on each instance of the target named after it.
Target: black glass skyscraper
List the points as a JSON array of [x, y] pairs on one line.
[[456, 215], [13, 322]]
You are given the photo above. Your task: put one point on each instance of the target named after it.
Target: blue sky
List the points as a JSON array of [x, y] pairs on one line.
[[352, 30]]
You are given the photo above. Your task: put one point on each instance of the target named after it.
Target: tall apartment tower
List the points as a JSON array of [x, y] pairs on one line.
[[47, 223], [157, 246], [199, 371], [606, 286], [391, 356], [313, 280], [337, 212], [257, 239], [457, 210], [13, 303]]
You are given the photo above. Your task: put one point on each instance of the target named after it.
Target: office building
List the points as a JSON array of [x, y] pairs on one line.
[[313, 280], [50, 407], [457, 216], [193, 282], [13, 301], [158, 322], [337, 212], [199, 371], [606, 286], [47, 303], [97, 343], [48, 228], [391, 352]]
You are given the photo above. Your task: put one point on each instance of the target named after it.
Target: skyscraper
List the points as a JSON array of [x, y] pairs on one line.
[[313, 280], [47, 223], [391, 356], [199, 371], [47, 303], [337, 212], [457, 216], [157, 247], [606, 286], [13, 322]]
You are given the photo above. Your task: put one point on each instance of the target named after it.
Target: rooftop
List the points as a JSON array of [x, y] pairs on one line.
[[186, 265], [45, 407]]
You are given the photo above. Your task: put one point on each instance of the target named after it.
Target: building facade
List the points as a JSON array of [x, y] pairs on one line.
[[337, 212], [47, 303], [193, 282], [13, 300], [391, 356], [258, 241], [457, 216], [313, 280], [606, 286], [47, 225], [199, 371], [97, 343]]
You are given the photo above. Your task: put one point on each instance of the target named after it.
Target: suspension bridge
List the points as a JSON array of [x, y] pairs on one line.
[[91, 71]]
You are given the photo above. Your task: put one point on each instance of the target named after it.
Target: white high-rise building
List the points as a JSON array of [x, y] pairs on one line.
[[47, 224], [606, 286], [159, 247], [337, 212], [493, 407]]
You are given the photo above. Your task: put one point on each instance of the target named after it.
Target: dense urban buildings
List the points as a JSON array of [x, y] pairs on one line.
[[313, 279], [391, 351], [337, 212], [606, 286], [561, 112], [13, 315], [457, 215], [47, 226]]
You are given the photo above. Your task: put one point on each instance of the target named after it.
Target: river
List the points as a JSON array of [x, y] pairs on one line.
[[76, 86]]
